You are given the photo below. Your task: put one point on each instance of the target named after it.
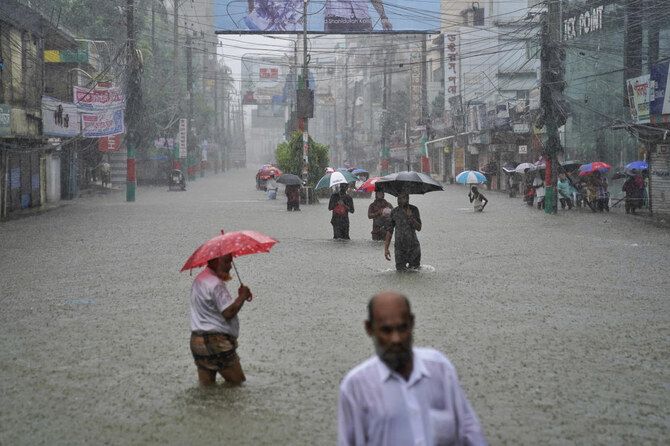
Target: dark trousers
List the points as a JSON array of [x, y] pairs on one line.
[[407, 258], [293, 206], [340, 228], [566, 202]]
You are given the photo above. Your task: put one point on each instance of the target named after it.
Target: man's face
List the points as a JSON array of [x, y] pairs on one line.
[[223, 266], [379, 195], [403, 200], [391, 331]]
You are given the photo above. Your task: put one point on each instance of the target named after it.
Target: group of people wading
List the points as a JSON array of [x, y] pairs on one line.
[[403, 220]]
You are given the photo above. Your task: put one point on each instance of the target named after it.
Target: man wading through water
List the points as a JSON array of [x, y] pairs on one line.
[[214, 323], [406, 221]]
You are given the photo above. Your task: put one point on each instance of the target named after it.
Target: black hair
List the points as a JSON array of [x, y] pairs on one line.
[[371, 304]]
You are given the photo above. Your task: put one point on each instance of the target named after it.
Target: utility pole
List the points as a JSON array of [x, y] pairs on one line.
[[305, 86], [217, 122], [133, 102], [407, 147], [552, 85], [175, 45], [189, 89], [384, 153]]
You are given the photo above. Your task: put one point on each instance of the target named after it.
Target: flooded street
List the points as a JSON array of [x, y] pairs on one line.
[[558, 326]]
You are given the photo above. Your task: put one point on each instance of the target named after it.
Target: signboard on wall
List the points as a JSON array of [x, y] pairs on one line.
[[59, 118], [109, 144], [5, 120], [183, 138]]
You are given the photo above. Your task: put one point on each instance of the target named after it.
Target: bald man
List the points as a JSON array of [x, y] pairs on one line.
[[403, 395]]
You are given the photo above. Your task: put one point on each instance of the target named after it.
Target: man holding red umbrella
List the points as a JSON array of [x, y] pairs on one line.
[[214, 323]]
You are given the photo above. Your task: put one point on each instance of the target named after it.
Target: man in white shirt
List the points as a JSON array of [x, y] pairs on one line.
[[403, 395], [214, 323]]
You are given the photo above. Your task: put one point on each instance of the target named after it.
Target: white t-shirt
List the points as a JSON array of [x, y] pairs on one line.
[[539, 192], [209, 297]]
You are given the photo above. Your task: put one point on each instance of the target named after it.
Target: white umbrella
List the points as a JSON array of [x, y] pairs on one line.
[[337, 178], [525, 167]]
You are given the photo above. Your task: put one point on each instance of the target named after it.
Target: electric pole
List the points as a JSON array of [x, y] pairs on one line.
[[189, 89], [553, 105], [133, 100], [305, 87], [175, 45]]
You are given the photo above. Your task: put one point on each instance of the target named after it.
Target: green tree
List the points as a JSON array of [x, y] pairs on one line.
[[289, 157]]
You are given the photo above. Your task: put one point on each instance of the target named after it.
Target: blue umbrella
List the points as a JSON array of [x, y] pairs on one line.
[[637, 165], [470, 177], [358, 171]]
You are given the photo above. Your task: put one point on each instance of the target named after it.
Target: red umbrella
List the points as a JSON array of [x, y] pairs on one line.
[[266, 172], [238, 243], [369, 185], [597, 166]]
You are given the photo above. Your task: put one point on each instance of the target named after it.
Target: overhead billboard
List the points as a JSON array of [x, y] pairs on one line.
[[330, 16], [263, 80]]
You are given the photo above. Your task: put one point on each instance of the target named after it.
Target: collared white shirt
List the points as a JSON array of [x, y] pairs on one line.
[[209, 297], [378, 407], [348, 9]]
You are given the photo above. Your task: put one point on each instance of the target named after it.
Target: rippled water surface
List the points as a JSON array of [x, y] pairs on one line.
[[558, 326]]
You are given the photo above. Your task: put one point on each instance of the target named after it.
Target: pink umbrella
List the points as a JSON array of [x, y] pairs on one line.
[[238, 243]]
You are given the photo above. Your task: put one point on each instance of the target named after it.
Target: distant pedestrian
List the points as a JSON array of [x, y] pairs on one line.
[[405, 221], [565, 191], [538, 185], [292, 197], [380, 214], [403, 395], [271, 187], [214, 324], [341, 204], [478, 199], [633, 187]]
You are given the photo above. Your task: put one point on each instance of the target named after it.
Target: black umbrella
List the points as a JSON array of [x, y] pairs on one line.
[[408, 182], [289, 179], [571, 166]]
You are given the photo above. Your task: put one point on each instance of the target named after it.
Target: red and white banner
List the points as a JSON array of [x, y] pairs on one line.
[[100, 96]]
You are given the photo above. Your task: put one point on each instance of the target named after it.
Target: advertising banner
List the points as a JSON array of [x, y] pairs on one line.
[[262, 80], [660, 100], [59, 118], [100, 96], [640, 94], [99, 123], [109, 144], [330, 16]]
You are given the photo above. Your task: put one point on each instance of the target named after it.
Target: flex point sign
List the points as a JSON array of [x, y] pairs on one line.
[[583, 23]]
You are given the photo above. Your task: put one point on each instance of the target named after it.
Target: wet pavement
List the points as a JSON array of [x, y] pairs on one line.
[[558, 326]]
